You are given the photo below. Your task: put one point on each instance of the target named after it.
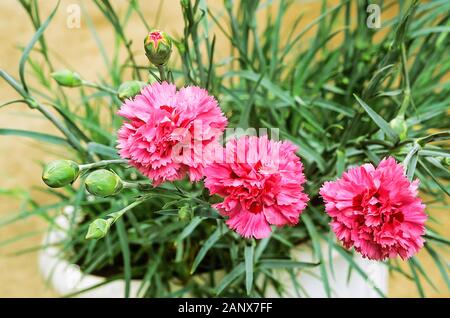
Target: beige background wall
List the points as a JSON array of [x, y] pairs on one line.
[[19, 157]]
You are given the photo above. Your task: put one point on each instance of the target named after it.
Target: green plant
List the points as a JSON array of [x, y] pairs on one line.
[[343, 97]]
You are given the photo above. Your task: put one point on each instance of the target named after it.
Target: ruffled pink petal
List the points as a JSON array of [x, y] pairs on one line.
[[376, 210], [167, 131], [261, 183]]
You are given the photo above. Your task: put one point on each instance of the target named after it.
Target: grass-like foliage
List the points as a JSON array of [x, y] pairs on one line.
[[330, 87]]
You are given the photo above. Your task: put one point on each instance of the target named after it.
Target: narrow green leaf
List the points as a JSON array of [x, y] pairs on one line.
[[34, 135], [435, 179], [123, 238], [265, 82], [71, 125], [249, 251], [442, 135], [434, 153], [397, 268], [340, 162], [295, 283], [381, 123], [243, 121], [353, 264], [282, 240], [179, 251], [430, 235], [412, 166], [284, 263], [20, 237], [329, 105], [330, 240], [13, 102], [427, 31], [443, 270], [230, 277], [421, 270], [410, 161], [106, 281], [151, 270], [30, 46], [217, 234], [416, 279], [317, 251], [260, 248], [103, 150], [438, 165], [190, 228]]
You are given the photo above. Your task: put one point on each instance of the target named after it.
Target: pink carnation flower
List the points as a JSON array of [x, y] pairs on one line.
[[167, 129], [376, 210], [261, 181]]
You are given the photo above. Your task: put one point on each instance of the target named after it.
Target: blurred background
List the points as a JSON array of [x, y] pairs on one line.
[[75, 48]]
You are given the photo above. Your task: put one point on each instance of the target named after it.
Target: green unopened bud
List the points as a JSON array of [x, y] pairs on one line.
[[67, 78], [158, 47], [103, 183], [398, 124], [129, 89], [98, 229], [59, 173], [185, 213]]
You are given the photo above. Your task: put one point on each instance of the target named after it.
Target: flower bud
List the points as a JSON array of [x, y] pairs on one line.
[[398, 124], [67, 78], [103, 183], [59, 173], [129, 89], [158, 47], [185, 213], [98, 229]]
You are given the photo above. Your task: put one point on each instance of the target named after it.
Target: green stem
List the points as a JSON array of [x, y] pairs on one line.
[[133, 61], [162, 73], [113, 217], [407, 92], [139, 185], [100, 87], [103, 163], [143, 186]]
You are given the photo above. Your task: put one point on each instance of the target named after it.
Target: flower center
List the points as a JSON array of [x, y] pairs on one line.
[[376, 212], [255, 207], [154, 36]]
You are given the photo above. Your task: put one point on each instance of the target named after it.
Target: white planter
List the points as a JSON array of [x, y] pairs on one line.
[[66, 278]]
